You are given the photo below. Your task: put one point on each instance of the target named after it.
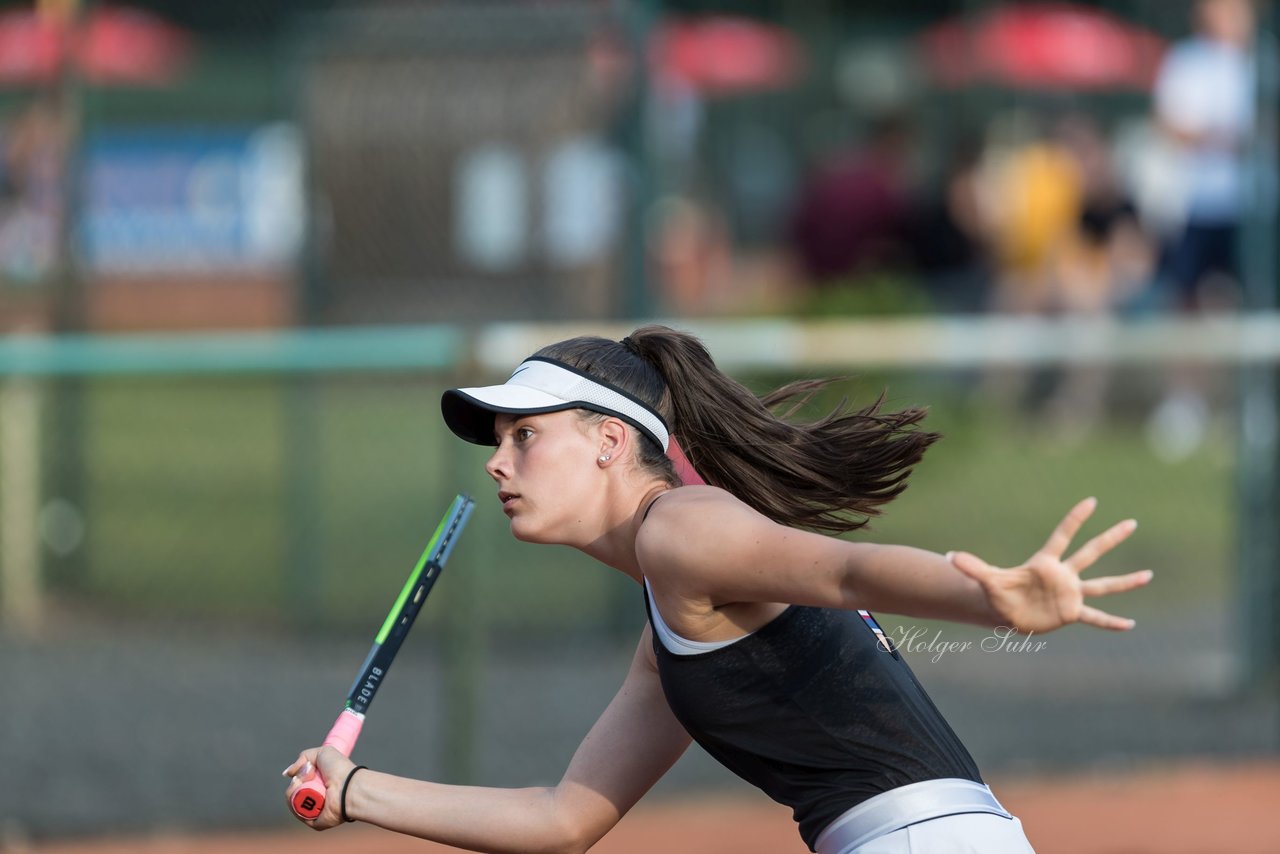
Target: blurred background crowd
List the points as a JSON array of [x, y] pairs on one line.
[[314, 162]]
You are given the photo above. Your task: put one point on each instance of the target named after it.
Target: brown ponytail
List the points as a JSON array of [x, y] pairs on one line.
[[828, 475]]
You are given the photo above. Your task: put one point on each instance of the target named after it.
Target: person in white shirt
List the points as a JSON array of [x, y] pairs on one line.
[[1205, 109], [1204, 104]]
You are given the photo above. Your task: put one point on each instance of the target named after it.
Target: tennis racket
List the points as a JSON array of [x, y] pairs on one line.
[[308, 800]]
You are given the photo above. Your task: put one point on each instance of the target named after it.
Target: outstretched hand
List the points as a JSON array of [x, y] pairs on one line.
[[1047, 592]]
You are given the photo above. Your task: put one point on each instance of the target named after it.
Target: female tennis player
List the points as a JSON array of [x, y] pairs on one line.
[[759, 644]]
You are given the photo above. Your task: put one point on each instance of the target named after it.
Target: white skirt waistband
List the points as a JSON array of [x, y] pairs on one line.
[[905, 805]]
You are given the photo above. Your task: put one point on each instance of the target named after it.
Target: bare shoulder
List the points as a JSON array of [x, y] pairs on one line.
[[693, 508], [693, 495], [688, 527]]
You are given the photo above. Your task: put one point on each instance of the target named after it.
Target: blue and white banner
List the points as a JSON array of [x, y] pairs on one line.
[[194, 201]]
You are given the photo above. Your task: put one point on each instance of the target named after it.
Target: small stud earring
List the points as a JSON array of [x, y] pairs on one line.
[[604, 458]]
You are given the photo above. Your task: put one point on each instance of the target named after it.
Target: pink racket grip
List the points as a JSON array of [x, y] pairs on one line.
[[308, 799]]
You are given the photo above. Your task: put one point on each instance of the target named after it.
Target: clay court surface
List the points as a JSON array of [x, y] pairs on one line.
[[1184, 809]]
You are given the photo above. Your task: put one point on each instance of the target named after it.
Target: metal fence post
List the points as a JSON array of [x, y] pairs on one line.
[[21, 599], [1258, 459]]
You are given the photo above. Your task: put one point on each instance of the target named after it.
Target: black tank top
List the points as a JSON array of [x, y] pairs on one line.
[[813, 710]]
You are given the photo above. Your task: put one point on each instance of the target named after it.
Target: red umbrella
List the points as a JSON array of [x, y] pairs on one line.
[[111, 45], [1042, 46], [31, 47], [722, 54]]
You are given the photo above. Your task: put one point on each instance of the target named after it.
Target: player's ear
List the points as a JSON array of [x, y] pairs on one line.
[[614, 438]]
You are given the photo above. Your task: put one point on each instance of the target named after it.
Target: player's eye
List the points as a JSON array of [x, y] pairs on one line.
[[523, 433]]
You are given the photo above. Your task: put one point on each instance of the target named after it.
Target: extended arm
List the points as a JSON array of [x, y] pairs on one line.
[[629, 748], [756, 560]]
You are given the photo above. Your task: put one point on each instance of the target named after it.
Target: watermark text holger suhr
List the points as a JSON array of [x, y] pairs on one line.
[[917, 639]]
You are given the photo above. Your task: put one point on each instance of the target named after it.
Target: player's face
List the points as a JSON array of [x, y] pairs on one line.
[[545, 467]]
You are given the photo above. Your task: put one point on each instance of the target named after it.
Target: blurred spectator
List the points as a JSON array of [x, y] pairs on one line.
[[692, 257], [1032, 192], [948, 237], [1069, 241], [1102, 261], [1106, 257], [1204, 105], [32, 151], [851, 213], [1066, 234]]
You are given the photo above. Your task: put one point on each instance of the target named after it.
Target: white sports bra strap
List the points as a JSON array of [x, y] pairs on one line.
[[675, 644]]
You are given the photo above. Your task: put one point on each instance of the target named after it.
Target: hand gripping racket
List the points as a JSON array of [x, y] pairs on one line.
[[308, 800]]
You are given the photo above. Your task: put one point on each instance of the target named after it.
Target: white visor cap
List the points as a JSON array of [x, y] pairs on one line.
[[543, 385]]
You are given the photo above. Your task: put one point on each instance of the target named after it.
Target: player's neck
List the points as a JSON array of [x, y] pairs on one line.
[[616, 546]]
